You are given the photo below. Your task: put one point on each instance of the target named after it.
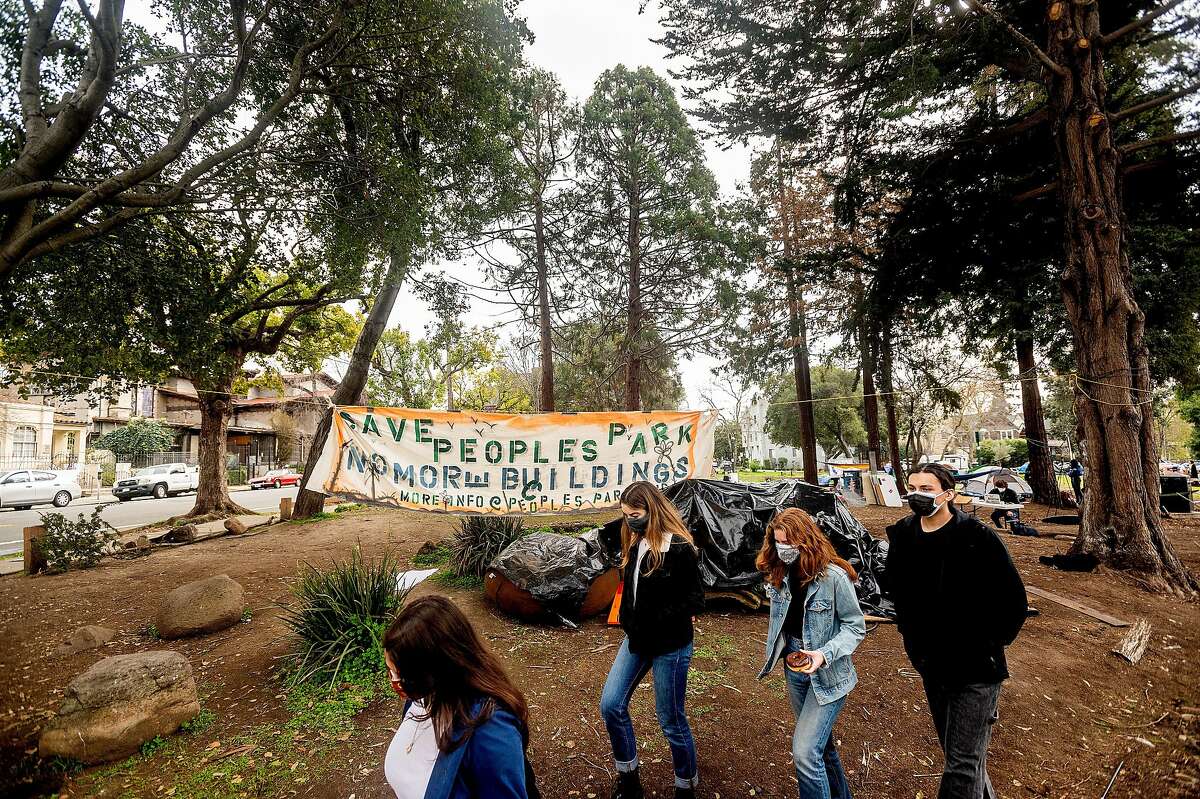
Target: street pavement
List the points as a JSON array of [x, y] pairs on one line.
[[126, 515]]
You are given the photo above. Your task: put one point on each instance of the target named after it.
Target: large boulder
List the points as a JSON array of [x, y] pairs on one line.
[[88, 636], [120, 703], [203, 606]]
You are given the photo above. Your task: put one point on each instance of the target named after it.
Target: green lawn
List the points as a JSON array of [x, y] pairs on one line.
[[763, 475]]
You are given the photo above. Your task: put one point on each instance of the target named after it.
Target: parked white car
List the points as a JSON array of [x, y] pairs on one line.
[[166, 480], [25, 488]]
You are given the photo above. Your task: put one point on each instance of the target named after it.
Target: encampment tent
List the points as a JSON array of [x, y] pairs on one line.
[[980, 485]]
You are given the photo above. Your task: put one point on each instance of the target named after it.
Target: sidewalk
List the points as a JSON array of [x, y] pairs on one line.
[[106, 496]]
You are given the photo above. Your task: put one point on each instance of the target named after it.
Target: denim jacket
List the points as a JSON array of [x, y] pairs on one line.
[[490, 765], [833, 626]]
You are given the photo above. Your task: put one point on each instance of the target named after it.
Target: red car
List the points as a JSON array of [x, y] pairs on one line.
[[276, 478]]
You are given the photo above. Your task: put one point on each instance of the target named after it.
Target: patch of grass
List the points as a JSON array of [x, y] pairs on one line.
[[448, 579], [271, 760], [67, 766], [200, 723], [702, 682], [149, 631], [715, 647], [316, 517], [12, 556], [353, 506], [155, 744], [247, 615], [436, 559]]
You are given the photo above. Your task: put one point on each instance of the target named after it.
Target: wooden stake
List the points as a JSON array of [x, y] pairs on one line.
[[285, 509], [34, 560], [1133, 645]]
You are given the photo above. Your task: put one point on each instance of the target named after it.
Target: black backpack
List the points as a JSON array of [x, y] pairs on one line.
[[1017, 527]]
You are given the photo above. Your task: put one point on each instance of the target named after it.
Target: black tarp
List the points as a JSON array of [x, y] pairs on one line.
[[728, 521], [557, 569]]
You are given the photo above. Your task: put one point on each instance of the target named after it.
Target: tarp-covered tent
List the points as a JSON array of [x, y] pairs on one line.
[[728, 521], [982, 484]]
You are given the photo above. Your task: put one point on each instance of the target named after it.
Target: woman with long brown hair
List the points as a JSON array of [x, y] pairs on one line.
[[660, 594], [816, 624], [465, 725]]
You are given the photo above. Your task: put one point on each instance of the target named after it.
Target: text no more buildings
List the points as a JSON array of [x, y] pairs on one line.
[[517, 474]]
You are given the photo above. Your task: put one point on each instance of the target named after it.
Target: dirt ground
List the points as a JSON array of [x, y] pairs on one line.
[[1071, 714]]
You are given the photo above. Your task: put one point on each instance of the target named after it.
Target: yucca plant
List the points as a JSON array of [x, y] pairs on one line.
[[340, 615], [479, 540]]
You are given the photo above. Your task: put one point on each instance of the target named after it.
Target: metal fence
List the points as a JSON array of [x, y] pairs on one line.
[[58, 463]]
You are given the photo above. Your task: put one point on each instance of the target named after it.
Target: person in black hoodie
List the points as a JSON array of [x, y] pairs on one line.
[[660, 594], [959, 601], [1002, 516]]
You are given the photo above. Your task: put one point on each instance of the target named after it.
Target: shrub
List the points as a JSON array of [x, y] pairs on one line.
[[138, 437], [236, 475], [479, 540], [340, 616], [753, 465], [78, 544], [108, 474]]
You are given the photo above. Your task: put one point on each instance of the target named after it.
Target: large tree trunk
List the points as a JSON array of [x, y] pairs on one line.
[[1040, 475], [797, 324], [212, 495], [546, 391], [870, 401], [889, 403], [802, 374], [354, 381], [1120, 517], [633, 327]]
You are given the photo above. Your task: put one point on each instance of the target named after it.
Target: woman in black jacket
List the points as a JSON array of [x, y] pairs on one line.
[[660, 594]]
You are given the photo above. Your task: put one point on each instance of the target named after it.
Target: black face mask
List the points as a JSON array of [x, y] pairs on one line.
[[639, 524], [923, 503]]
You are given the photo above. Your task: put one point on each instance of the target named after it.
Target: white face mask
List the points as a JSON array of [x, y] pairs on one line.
[[787, 553]]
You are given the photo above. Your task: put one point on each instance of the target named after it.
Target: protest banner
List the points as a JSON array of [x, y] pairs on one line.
[[476, 462]]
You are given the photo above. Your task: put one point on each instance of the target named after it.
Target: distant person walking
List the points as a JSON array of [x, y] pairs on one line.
[[1075, 472], [815, 625], [959, 601], [660, 594], [464, 725]]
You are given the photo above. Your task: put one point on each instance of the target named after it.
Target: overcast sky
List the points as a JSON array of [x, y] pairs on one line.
[[577, 40]]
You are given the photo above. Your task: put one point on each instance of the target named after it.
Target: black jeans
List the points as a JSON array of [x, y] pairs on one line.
[[963, 716]]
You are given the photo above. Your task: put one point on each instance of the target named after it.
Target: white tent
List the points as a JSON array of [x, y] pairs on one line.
[[983, 484]]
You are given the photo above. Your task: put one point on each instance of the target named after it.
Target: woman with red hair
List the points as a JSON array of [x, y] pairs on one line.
[[815, 625]]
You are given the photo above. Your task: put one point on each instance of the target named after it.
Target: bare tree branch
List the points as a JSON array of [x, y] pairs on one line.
[[1138, 23], [1021, 39]]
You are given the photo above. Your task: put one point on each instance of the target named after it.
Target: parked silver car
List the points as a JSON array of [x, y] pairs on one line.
[[22, 489]]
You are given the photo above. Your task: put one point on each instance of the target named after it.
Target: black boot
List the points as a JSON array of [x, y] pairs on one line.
[[685, 793], [628, 785]]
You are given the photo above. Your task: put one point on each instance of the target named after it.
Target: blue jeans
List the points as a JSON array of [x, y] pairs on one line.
[[670, 691], [818, 768]]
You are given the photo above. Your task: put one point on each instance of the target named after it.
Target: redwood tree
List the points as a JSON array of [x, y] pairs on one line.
[[898, 58]]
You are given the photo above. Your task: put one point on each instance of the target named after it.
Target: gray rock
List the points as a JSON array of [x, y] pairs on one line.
[[120, 703], [87, 637], [203, 606]]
